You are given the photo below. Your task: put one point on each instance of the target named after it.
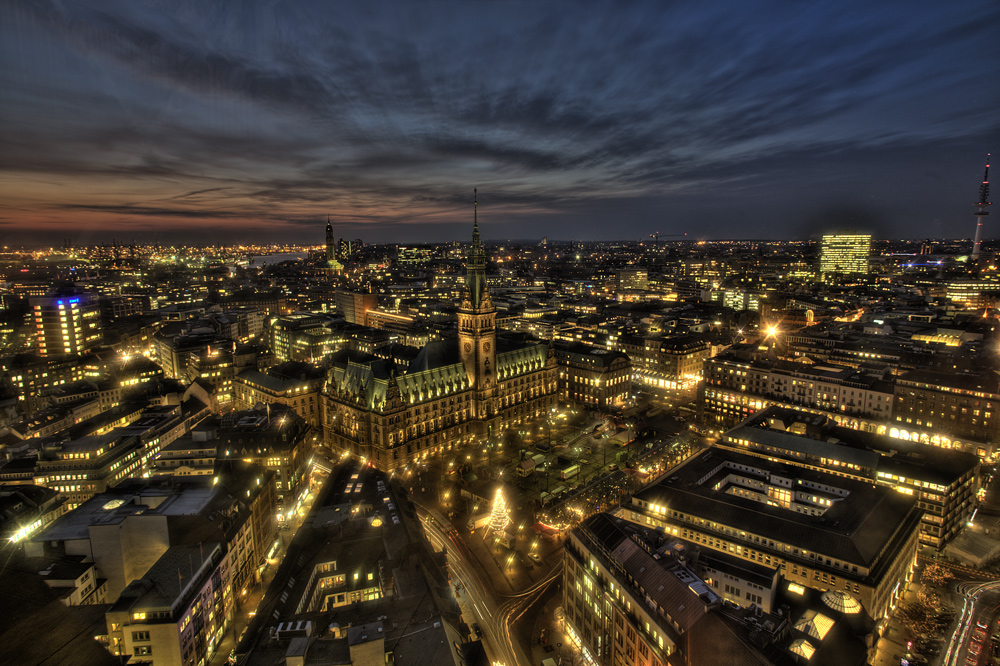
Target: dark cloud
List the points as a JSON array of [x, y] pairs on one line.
[[762, 118], [147, 211]]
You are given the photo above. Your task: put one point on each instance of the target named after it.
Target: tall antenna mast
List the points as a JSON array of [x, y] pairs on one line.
[[984, 194]]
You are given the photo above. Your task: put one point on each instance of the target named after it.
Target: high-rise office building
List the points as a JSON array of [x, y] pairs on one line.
[[413, 255], [354, 306], [66, 324], [635, 279], [845, 254]]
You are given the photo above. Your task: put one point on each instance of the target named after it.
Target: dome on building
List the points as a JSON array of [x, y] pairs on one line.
[[841, 601]]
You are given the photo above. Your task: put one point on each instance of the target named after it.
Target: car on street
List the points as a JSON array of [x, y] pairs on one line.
[[478, 631], [535, 557]]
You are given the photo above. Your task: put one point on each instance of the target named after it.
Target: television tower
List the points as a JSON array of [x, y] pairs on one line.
[[984, 194]]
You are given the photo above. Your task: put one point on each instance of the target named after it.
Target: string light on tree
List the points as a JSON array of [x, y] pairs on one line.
[[500, 515]]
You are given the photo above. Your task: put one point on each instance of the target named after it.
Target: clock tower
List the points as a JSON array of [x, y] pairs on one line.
[[477, 333]]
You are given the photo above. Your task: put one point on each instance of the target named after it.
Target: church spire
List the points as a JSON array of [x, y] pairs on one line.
[[330, 249]]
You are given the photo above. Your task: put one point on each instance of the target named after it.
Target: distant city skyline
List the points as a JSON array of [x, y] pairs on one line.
[[208, 124]]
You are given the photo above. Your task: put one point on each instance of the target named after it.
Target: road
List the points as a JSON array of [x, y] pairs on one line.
[[980, 606], [495, 612]]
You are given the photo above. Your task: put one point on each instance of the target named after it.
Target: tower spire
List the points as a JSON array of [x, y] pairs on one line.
[[476, 267], [984, 195], [331, 250]]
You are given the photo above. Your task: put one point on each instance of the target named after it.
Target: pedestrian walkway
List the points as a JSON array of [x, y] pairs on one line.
[[241, 617], [550, 638], [892, 645]]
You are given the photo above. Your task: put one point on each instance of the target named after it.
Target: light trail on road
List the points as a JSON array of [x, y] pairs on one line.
[[479, 602], [495, 620], [971, 592]]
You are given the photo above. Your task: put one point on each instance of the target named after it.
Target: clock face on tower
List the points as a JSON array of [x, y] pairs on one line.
[[468, 346]]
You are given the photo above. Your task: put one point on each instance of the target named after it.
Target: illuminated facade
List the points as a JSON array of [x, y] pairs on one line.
[[956, 405], [214, 368], [453, 392], [83, 467], [275, 438], [27, 508], [390, 321], [633, 280], [355, 306], [735, 387], [605, 614], [294, 384], [972, 294], [174, 352], [179, 596], [667, 363], [845, 254], [302, 337], [177, 612], [420, 254], [738, 299], [593, 377]]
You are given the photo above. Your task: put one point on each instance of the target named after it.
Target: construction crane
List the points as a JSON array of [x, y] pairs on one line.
[[656, 236]]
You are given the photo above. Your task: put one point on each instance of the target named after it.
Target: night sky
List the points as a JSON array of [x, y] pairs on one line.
[[253, 120]]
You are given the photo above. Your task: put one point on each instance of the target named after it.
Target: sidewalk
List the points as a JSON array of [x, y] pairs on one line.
[[555, 642], [241, 619], [892, 645]]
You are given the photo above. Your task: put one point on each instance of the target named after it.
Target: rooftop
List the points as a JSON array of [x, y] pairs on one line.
[[985, 382], [854, 529], [819, 437], [175, 498], [170, 579]]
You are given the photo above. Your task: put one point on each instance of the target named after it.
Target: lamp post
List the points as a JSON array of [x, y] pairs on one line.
[[548, 422]]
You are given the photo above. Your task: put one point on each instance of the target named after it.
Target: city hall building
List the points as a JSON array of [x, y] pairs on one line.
[[454, 392]]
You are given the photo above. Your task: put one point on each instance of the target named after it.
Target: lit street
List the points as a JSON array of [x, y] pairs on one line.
[[970, 642], [495, 612]]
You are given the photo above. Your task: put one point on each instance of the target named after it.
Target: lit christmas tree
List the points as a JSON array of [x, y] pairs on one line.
[[499, 517]]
